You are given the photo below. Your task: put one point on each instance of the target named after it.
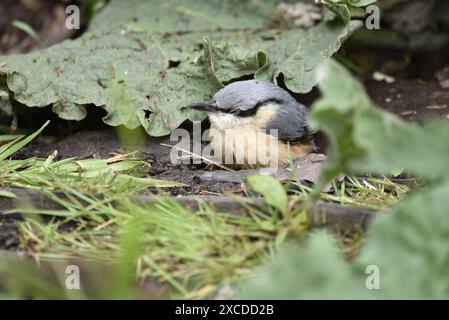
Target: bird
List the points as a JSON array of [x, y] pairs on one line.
[[256, 124]]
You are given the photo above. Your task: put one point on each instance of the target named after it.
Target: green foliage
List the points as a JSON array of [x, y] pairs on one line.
[[144, 71], [25, 27], [409, 246], [365, 139], [10, 148], [144, 62], [119, 237], [87, 174], [272, 190], [408, 243], [298, 273], [191, 253]]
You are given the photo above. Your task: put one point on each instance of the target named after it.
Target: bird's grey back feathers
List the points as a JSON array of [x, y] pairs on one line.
[[290, 122]]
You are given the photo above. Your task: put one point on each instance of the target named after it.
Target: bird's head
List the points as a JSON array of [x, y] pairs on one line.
[[253, 102]]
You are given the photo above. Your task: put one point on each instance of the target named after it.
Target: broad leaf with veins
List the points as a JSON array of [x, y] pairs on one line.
[[144, 62]]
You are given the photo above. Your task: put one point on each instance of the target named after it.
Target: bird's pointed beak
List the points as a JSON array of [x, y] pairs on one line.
[[203, 107]]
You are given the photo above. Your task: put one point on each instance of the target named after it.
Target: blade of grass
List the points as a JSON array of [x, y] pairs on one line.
[[25, 27], [17, 145], [9, 137]]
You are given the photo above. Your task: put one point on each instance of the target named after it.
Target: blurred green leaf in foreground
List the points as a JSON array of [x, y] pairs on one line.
[[407, 243]]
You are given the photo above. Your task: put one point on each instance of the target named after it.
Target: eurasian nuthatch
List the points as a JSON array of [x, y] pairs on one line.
[[254, 121]]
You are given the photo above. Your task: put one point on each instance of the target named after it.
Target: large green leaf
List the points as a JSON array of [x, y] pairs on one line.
[[313, 272], [144, 62], [407, 245], [271, 189], [366, 139]]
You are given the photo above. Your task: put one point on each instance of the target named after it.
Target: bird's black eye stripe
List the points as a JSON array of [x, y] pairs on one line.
[[253, 110], [267, 101], [246, 113]]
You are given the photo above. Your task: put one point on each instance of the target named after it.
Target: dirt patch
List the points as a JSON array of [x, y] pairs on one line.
[[82, 145], [400, 64], [415, 92], [412, 99], [9, 234], [199, 187]]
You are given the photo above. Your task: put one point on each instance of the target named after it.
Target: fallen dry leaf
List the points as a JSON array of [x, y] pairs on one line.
[[308, 168]]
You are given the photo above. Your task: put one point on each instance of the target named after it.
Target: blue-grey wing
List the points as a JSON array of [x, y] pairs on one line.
[[290, 123]]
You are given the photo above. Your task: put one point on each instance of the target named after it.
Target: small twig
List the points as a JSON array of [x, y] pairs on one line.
[[198, 156], [120, 157], [104, 225]]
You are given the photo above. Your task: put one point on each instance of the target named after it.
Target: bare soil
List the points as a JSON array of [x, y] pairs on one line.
[[9, 234]]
